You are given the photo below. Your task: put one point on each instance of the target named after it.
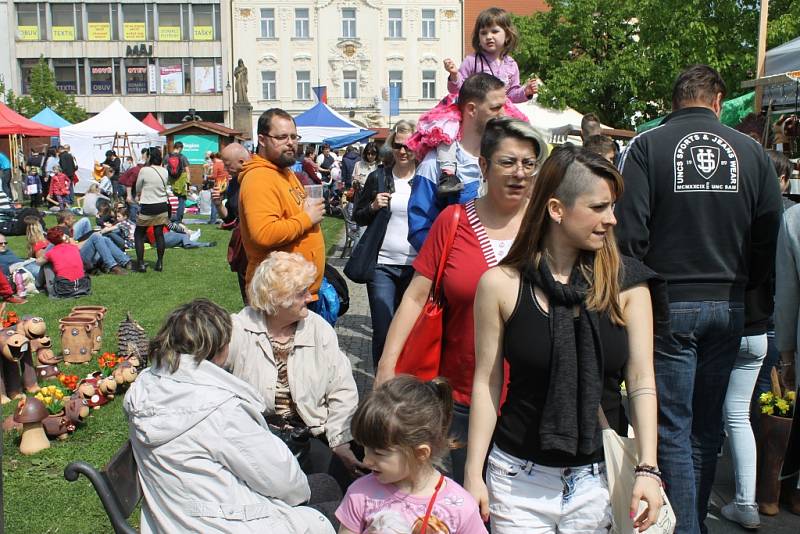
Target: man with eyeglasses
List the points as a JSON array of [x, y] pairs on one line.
[[480, 98], [274, 212], [7, 256]]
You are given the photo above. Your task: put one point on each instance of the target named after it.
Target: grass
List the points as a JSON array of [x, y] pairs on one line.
[[37, 497]]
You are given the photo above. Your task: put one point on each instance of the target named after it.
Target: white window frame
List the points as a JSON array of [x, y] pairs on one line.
[[267, 22], [395, 23], [429, 24], [429, 84], [349, 28], [269, 87], [350, 84], [396, 80], [303, 86], [302, 23]]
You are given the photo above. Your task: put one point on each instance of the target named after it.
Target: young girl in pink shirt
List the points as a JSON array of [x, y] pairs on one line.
[[403, 426], [493, 39]]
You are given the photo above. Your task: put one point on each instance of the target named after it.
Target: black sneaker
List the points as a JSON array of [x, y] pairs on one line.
[[449, 184]]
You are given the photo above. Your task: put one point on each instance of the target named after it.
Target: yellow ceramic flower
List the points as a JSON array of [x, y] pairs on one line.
[[766, 397], [791, 396], [767, 410], [782, 406]]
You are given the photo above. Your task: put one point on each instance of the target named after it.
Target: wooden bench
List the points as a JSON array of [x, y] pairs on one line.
[[117, 485]]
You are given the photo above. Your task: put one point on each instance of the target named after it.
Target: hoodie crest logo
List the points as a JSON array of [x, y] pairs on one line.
[[705, 162]]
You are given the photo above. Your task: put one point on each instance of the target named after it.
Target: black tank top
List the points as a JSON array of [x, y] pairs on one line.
[[527, 347]]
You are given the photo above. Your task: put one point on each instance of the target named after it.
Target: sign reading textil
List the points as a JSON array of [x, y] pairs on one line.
[[63, 33], [195, 146]]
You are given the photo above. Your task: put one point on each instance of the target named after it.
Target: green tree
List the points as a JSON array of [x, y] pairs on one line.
[[43, 93], [619, 58]]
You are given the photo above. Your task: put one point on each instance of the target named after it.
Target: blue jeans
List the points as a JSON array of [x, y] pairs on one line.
[[752, 351], [176, 239], [459, 431], [133, 211], [178, 215], [385, 291], [81, 227], [693, 365], [101, 251], [212, 219]]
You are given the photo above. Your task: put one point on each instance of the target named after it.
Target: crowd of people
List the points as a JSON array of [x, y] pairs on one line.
[[669, 266]]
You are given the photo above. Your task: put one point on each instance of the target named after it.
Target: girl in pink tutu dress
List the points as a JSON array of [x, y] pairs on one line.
[[493, 39]]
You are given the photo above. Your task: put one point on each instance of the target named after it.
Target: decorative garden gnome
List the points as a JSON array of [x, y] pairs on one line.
[[15, 353], [31, 412]]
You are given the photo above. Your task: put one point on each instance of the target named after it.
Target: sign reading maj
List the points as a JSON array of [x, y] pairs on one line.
[[705, 162]]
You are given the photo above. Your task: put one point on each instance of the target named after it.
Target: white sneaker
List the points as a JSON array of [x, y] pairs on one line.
[[744, 514], [194, 236]]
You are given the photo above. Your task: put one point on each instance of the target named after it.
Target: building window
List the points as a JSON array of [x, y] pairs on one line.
[[350, 84], [203, 27], [268, 23], [268, 85], [25, 68], [67, 22], [66, 75], [205, 76], [349, 23], [301, 23], [137, 22], [101, 77], [303, 85], [170, 76], [396, 80], [429, 84], [395, 23], [173, 22], [31, 22], [136, 76], [99, 22], [428, 23]]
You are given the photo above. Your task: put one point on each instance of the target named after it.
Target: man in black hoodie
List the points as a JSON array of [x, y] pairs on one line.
[[349, 161], [701, 207]]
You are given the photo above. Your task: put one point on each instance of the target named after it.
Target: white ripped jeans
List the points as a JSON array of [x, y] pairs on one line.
[[530, 498]]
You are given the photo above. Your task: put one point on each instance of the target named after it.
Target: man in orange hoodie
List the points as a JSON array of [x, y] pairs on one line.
[[274, 213]]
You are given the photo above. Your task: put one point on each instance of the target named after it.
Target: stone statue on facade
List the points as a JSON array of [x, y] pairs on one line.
[[240, 82]]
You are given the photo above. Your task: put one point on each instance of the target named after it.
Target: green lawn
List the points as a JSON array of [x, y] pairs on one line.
[[37, 499]]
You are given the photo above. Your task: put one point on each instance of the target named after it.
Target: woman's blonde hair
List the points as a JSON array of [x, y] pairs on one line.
[[404, 126], [567, 174], [200, 328], [280, 277], [34, 234]]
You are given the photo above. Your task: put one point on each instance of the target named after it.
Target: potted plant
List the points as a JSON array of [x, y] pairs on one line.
[[777, 408]]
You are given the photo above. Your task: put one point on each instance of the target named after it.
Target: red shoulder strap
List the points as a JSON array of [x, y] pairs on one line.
[[436, 289], [435, 493]]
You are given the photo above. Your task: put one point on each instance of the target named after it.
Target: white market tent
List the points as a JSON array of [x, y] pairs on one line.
[[554, 121], [89, 140], [321, 122]]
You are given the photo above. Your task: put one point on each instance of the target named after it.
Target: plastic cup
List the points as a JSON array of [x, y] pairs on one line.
[[314, 191]]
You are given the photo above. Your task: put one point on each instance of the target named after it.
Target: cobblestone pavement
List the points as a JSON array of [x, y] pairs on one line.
[[355, 334]]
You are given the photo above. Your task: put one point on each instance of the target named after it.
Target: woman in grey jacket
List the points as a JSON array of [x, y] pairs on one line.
[[207, 461]]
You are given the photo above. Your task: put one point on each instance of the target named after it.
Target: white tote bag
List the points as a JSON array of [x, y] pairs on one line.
[[621, 460]]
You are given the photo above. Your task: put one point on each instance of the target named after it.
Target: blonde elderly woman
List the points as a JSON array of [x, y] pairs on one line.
[[291, 356], [207, 461]]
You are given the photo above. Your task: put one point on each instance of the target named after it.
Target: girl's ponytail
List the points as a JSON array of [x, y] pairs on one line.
[[444, 394]]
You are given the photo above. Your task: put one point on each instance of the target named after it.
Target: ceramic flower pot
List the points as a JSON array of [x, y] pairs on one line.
[[58, 425], [43, 372], [772, 441], [100, 310], [97, 329], [76, 340]]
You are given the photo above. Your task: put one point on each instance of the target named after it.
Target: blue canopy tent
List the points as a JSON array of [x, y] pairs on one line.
[[48, 117], [322, 122], [343, 140]]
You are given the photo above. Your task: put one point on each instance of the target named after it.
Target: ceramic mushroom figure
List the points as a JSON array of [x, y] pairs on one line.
[[15, 347], [31, 412]]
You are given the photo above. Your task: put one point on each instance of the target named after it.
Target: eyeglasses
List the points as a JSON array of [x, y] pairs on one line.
[[400, 146], [529, 166], [284, 137]]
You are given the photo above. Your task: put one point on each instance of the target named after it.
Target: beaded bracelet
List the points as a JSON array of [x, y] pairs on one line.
[[644, 468], [649, 475]]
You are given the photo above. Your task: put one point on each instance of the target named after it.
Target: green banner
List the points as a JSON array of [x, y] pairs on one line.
[[195, 146]]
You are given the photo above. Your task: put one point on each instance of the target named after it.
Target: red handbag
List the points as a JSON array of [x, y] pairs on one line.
[[422, 352]]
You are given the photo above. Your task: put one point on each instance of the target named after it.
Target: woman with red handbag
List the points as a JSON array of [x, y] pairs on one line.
[[464, 242]]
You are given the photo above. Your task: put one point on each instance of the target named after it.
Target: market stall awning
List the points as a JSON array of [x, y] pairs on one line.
[[48, 117], [322, 122], [12, 123], [151, 121], [343, 140]]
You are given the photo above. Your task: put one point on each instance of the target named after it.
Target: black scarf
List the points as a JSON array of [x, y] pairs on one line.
[[569, 418]]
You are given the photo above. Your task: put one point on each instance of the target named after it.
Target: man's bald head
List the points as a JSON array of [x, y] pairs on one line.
[[234, 156]]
